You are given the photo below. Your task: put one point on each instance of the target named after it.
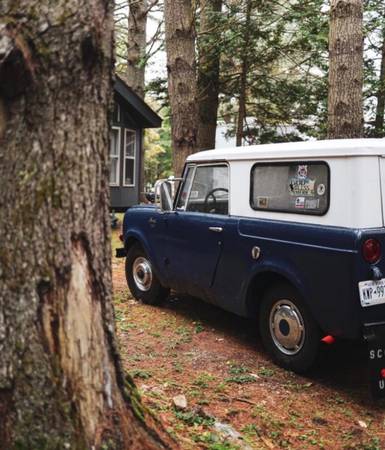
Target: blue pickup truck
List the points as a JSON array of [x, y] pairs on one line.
[[290, 234]]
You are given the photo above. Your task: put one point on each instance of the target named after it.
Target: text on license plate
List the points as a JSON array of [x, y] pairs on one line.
[[372, 292]]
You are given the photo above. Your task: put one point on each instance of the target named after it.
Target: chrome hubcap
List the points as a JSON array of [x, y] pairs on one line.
[[287, 327], [142, 273]]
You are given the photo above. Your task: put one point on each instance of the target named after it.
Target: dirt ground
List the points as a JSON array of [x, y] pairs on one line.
[[236, 397]]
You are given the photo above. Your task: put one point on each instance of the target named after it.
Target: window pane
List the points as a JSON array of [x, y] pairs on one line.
[[210, 190], [114, 142], [185, 188], [130, 143], [129, 171], [114, 170], [301, 188]]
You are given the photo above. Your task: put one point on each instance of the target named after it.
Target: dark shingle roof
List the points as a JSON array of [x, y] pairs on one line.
[[143, 114]]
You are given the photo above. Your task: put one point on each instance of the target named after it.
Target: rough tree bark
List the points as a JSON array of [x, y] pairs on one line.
[[208, 74], [345, 112], [180, 48], [380, 109], [243, 78], [61, 382]]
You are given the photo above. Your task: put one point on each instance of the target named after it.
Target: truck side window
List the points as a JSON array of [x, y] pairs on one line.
[[295, 187], [210, 190], [182, 199]]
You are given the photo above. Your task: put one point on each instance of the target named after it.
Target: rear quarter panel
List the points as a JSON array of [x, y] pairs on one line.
[[318, 261]]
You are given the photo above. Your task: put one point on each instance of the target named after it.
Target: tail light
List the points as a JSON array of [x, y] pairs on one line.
[[328, 339], [371, 250]]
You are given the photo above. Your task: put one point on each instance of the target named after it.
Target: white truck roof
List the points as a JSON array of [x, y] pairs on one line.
[[295, 150]]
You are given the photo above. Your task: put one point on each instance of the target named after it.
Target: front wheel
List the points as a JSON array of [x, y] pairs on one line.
[[141, 279], [288, 331]]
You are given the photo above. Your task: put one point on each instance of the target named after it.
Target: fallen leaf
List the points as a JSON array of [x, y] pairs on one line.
[[362, 424], [267, 442]]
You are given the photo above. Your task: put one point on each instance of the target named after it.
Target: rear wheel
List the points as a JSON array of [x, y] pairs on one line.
[[288, 331], [141, 279]]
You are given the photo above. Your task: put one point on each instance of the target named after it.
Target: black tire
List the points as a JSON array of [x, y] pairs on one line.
[[141, 279], [290, 346]]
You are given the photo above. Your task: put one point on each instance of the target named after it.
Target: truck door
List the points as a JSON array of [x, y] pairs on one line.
[[197, 228]]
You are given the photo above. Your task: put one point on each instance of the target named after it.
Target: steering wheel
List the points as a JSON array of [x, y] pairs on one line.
[[211, 194]]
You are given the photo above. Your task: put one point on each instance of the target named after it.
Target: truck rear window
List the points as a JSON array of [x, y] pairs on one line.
[[294, 187]]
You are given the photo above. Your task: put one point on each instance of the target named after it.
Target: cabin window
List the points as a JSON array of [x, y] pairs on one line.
[[209, 191], [129, 157], [114, 156], [294, 187]]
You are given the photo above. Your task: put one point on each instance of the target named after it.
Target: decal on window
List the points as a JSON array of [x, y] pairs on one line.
[[262, 202], [300, 202], [299, 187], [321, 189]]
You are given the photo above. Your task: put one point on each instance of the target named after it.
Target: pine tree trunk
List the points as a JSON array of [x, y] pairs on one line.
[[345, 111], [61, 382], [180, 47], [243, 78], [136, 51], [379, 122], [208, 74], [136, 45]]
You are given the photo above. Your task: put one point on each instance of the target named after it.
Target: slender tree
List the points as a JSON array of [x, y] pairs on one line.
[[136, 45], [345, 110], [136, 51], [208, 72], [380, 109], [180, 48], [61, 382], [244, 72]]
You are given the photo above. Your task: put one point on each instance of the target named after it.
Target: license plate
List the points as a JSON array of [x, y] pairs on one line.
[[372, 292]]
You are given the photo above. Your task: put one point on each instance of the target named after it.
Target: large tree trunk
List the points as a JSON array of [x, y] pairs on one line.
[[243, 78], [180, 47], [379, 122], [61, 383], [345, 112], [208, 74]]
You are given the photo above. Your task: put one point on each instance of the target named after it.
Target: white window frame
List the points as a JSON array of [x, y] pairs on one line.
[[129, 157], [116, 157], [195, 167]]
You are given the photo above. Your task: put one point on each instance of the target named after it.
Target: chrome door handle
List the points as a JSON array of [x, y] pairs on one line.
[[216, 229], [152, 221]]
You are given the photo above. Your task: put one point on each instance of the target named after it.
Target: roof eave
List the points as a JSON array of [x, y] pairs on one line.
[[149, 118]]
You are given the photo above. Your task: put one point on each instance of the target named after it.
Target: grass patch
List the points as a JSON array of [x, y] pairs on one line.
[[142, 374], [192, 418], [203, 380], [241, 379], [266, 372]]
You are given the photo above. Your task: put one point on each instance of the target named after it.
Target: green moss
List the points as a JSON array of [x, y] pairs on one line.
[[133, 396]]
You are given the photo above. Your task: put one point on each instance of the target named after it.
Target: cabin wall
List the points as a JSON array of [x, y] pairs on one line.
[[122, 197]]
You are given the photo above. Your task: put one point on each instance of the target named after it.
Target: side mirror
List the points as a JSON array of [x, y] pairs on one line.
[[164, 192]]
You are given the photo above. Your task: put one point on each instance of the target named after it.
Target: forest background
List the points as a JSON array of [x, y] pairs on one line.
[[259, 68]]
